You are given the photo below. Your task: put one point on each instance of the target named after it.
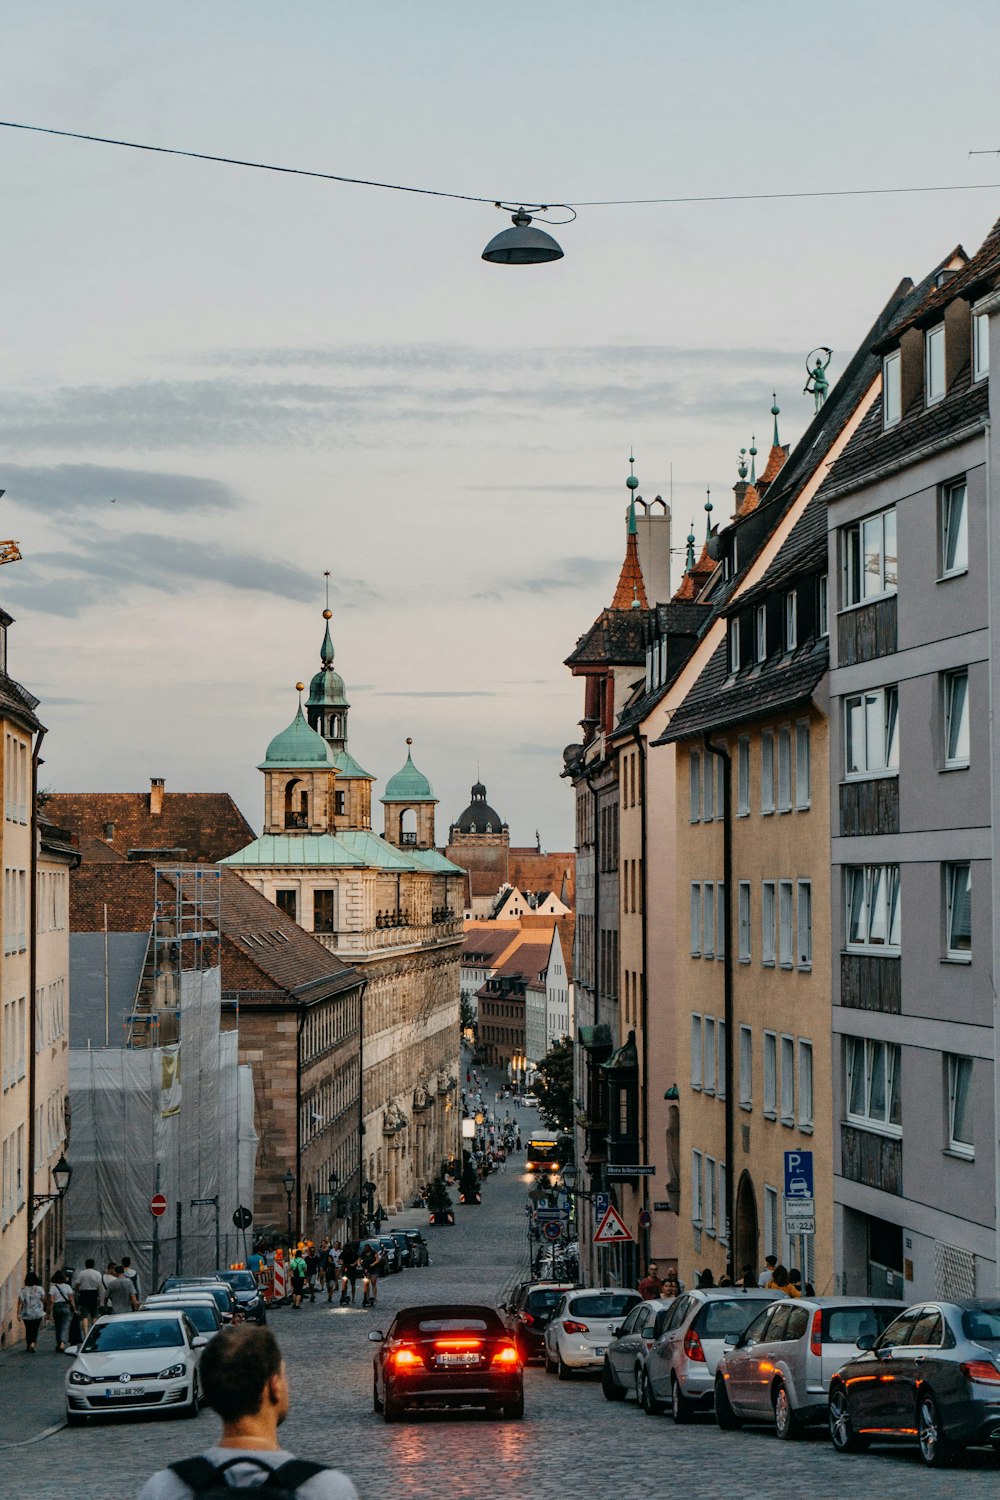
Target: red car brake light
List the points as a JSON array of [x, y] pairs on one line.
[[526, 1317], [816, 1333], [406, 1359], [571, 1327], [458, 1343], [506, 1355], [981, 1369], [692, 1346]]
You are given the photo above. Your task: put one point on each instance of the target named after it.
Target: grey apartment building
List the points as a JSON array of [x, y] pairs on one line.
[[913, 585]]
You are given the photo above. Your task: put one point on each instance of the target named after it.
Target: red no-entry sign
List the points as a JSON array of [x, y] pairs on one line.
[[157, 1205]]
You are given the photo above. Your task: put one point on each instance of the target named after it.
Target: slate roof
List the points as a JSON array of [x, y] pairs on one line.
[[203, 826], [617, 638], [776, 686], [978, 273], [17, 703], [804, 550]]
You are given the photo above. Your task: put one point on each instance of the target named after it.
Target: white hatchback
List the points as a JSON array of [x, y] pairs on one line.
[[580, 1331], [146, 1361]]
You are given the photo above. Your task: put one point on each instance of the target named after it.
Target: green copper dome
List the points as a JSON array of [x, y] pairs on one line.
[[409, 785], [298, 745], [326, 690]]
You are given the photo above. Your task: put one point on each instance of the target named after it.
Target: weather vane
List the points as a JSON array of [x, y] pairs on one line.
[[817, 384]]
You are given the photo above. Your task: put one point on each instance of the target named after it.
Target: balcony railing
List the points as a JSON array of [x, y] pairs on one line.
[[866, 632], [868, 807], [397, 935], [870, 982]]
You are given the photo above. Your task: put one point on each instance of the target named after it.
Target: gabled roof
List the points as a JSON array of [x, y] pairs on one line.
[[202, 826], [979, 272], [617, 638], [716, 702], [17, 703]]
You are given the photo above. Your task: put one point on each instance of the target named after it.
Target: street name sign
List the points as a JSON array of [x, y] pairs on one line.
[[636, 1171], [612, 1229], [661, 1207]]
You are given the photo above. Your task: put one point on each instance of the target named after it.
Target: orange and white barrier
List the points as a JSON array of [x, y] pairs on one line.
[[278, 1284]]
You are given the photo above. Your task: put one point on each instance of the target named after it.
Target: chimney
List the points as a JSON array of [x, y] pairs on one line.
[[155, 796], [653, 531]]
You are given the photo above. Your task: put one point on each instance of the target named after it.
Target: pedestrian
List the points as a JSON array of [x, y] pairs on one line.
[[62, 1307], [120, 1293], [297, 1271], [748, 1278], [764, 1279], [705, 1278], [89, 1287], [779, 1282], [517, 1142], [312, 1270], [133, 1275], [671, 1287], [31, 1310], [795, 1280], [349, 1271], [651, 1286], [371, 1262], [244, 1380]]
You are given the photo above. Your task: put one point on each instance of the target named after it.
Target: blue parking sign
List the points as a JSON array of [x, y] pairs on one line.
[[798, 1174], [602, 1202]]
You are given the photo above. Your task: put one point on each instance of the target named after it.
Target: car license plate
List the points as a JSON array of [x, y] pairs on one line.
[[125, 1390], [600, 1350], [458, 1359]]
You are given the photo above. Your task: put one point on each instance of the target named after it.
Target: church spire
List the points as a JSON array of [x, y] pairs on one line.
[[631, 590], [775, 409]]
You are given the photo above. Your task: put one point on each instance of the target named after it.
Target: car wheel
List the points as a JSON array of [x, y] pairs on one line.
[[514, 1410], [681, 1409], [609, 1385], [191, 1409], [649, 1403], [842, 1434], [724, 1414], [549, 1365], [934, 1449], [786, 1423], [392, 1410], [564, 1371], [637, 1385], [376, 1403]]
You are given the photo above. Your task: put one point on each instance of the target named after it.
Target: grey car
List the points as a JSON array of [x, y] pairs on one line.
[[933, 1377], [680, 1368], [779, 1369], [625, 1359]]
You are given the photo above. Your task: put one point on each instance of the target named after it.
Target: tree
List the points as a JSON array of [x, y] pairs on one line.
[[468, 1015], [555, 1091]]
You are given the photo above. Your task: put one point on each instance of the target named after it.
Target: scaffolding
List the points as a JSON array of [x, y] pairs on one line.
[[186, 937]]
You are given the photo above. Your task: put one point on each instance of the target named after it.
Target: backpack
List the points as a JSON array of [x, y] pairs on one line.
[[207, 1480]]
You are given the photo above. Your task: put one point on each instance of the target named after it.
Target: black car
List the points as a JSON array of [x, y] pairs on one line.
[[933, 1377], [419, 1253], [223, 1293], [392, 1255], [248, 1294], [441, 1356], [529, 1312]]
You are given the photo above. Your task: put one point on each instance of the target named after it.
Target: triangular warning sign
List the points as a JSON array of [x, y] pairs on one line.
[[612, 1230]]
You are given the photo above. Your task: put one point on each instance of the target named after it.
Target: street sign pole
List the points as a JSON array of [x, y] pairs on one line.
[[155, 1278]]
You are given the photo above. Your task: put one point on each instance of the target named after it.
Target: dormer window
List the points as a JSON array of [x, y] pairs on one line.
[[791, 620], [980, 346], [934, 364], [734, 646], [760, 633], [892, 407]]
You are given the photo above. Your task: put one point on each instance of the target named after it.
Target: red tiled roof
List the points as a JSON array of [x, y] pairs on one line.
[[775, 464], [200, 826], [630, 585]]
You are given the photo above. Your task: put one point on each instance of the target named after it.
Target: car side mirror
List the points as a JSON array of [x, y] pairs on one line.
[[199, 1342], [731, 1340], [376, 1336], [72, 1350], [866, 1341], [616, 1333]]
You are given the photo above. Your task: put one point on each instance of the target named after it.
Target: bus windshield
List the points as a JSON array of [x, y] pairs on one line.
[[542, 1156]]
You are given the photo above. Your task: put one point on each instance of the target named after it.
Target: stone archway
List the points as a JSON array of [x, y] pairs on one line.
[[747, 1237]]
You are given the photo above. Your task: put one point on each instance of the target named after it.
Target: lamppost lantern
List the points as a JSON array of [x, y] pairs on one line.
[[570, 1177], [333, 1184], [62, 1172], [523, 245], [288, 1182]]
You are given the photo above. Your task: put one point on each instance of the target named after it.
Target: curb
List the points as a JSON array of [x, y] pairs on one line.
[[25, 1442]]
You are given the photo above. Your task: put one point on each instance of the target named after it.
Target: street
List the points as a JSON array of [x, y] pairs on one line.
[[571, 1441]]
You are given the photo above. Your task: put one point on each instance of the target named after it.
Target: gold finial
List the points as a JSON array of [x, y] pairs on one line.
[[328, 614], [300, 687], [408, 740]]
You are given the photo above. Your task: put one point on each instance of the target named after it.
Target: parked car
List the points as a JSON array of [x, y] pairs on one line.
[[247, 1293], [220, 1290], [145, 1362], [392, 1255], [202, 1311], [446, 1356], [528, 1312], [420, 1255], [626, 1357], [779, 1369], [579, 1331], [933, 1377], [680, 1368]]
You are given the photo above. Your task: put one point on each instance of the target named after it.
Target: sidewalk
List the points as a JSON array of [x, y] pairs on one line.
[[32, 1397]]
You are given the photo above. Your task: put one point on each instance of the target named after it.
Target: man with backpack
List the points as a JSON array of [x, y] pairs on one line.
[[243, 1377], [297, 1271]]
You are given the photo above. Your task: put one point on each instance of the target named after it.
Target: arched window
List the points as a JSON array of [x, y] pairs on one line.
[[408, 826], [296, 804]]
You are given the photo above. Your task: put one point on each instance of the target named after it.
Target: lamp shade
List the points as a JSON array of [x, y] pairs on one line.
[[522, 245], [570, 1176], [289, 1183], [61, 1174], [334, 1182]]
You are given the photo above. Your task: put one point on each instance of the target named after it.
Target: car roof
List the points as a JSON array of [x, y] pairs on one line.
[[144, 1314], [734, 1293], [824, 1302], [596, 1291], [427, 1310]]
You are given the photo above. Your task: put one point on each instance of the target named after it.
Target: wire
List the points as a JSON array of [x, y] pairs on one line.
[[498, 202]]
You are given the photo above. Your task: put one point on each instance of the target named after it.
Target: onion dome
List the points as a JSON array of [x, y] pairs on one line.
[[409, 784], [298, 745]]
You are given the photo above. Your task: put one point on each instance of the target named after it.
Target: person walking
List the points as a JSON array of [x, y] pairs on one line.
[[651, 1286], [371, 1263], [120, 1293], [312, 1269], [244, 1380], [31, 1310], [89, 1288], [133, 1275], [349, 1271], [764, 1279], [62, 1307], [297, 1271]]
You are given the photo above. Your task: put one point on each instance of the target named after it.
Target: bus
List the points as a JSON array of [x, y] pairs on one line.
[[543, 1155]]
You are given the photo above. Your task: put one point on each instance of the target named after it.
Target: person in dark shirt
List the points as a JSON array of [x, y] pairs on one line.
[[650, 1286]]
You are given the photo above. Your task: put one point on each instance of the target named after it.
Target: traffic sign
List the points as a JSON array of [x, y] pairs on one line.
[[798, 1174], [630, 1171], [645, 1219], [242, 1218], [612, 1229], [548, 1215], [552, 1230], [602, 1202], [800, 1216], [157, 1205]]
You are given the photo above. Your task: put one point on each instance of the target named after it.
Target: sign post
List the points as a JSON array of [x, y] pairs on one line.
[[612, 1229], [157, 1207], [800, 1203]]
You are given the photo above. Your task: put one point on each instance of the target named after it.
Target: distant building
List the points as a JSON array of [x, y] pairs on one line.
[[166, 827], [479, 841]]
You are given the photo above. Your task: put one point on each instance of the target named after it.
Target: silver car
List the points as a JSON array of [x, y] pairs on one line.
[[630, 1343], [579, 1331], [680, 1367], [778, 1370]]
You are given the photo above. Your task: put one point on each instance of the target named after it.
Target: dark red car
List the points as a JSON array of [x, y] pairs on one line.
[[443, 1356]]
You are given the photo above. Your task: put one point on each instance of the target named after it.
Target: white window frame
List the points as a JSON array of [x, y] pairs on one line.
[[879, 756], [959, 1068], [745, 938], [892, 392], [787, 1080], [803, 769], [785, 769], [708, 1223], [954, 528], [734, 647], [857, 578], [708, 790], [772, 1228], [935, 374], [956, 874], [696, 1069], [720, 919], [743, 777], [760, 633], [696, 1179], [746, 1067], [770, 1110], [806, 1103], [767, 772], [720, 1058], [864, 1053], [722, 1229], [803, 924], [786, 918], [873, 891], [708, 1056], [694, 786], [959, 761], [823, 602], [791, 619], [695, 919], [980, 345], [768, 924]]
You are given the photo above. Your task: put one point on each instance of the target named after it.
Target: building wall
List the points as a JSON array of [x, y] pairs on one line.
[[52, 1048], [15, 846]]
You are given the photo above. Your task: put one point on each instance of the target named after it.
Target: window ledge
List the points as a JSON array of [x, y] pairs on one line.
[[788, 1120], [767, 963], [766, 812], [875, 1127], [872, 952], [744, 814], [747, 1106], [786, 964], [805, 968], [770, 1114], [803, 807], [957, 958], [848, 609], [953, 573], [746, 960], [887, 774], [955, 765], [805, 1129], [958, 1153]]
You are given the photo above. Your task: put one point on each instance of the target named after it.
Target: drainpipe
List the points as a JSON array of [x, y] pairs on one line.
[[356, 1224], [32, 936], [298, 1123], [643, 992], [727, 972]]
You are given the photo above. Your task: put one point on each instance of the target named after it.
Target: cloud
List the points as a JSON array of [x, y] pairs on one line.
[[567, 573], [62, 489], [416, 693], [548, 751]]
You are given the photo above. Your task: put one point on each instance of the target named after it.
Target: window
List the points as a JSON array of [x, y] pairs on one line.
[[770, 1220], [958, 910], [787, 1081], [871, 729], [695, 919], [286, 901], [708, 1056], [696, 1187], [708, 790], [823, 612], [980, 345], [803, 790], [767, 772], [767, 922], [956, 718], [744, 921], [720, 787], [760, 633], [720, 1071], [709, 1220], [954, 529], [960, 1105], [770, 1074], [873, 1083], [891, 390], [746, 1067], [791, 620], [804, 926], [723, 1212], [720, 920], [734, 646], [694, 775], [324, 911], [785, 923], [695, 1051], [743, 778], [934, 363], [869, 558], [784, 770], [805, 1085], [339, 804], [872, 893]]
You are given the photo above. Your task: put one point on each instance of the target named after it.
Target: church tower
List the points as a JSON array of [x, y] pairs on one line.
[[327, 709], [299, 776], [409, 804]]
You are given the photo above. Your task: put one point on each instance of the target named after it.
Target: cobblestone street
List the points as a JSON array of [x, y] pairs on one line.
[[571, 1442]]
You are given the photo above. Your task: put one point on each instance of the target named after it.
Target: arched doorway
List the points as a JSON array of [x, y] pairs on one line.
[[747, 1236]]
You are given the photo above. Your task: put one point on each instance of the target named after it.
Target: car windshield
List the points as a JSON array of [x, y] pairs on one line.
[[201, 1314], [134, 1333], [845, 1325], [604, 1305], [720, 1317], [982, 1324], [242, 1281], [546, 1301], [453, 1325]]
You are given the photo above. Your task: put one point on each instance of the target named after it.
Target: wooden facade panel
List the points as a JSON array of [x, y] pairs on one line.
[[870, 982], [867, 632], [869, 807], [875, 1160]]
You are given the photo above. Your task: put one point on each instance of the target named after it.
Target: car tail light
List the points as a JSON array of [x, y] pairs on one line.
[[526, 1317], [692, 1346], [981, 1369], [571, 1327], [507, 1355], [406, 1359], [816, 1333]]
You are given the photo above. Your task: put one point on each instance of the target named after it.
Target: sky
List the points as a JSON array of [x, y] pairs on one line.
[[218, 383]]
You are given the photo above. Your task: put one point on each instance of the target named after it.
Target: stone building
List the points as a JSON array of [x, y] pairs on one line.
[[479, 841], [390, 906]]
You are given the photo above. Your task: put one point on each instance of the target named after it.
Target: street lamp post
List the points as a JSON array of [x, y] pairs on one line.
[[62, 1174], [288, 1183], [332, 1186], [369, 1189]]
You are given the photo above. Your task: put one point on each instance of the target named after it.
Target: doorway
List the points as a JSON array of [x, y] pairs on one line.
[[747, 1238]]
